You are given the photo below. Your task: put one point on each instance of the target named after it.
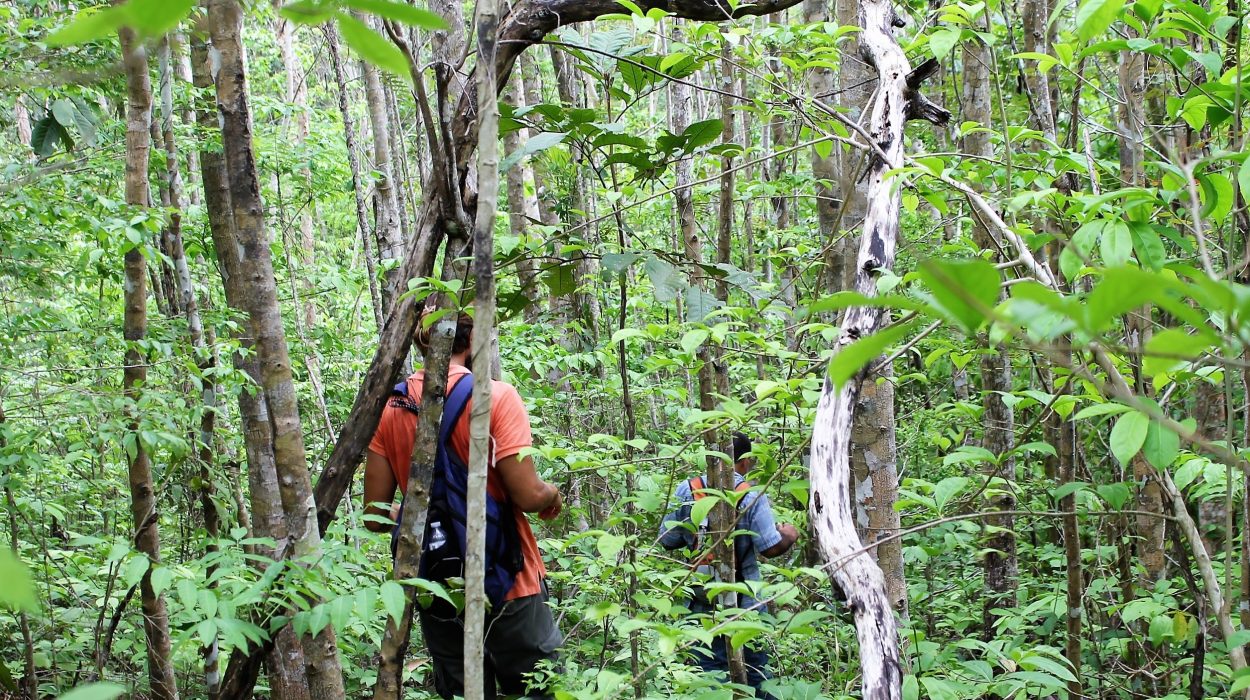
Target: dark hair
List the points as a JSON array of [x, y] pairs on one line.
[[742, 446], [464, 328]]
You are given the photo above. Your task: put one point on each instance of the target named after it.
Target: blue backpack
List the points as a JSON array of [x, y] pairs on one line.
[[443, 547]]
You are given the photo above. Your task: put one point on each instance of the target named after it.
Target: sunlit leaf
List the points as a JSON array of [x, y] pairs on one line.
[[373, 47]]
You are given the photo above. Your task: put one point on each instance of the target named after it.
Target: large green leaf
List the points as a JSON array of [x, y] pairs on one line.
[[372, 47], [1128, 435], [702, 133], [666, 279], [400, 12], [18, 592], [1093, 17], [1161, 446], [699, 304], [46, 134], [851, 360], [95, 691], [1172, 348], [1116, 244], [963, 290], [535, 144], [943, 41]]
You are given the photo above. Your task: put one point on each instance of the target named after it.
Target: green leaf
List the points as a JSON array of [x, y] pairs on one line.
[[1169, 349], [702, 133], [373, 47], [1101, 409], [162, 576], [1160, 629], [1128, 436], [46, 134], [392, 595], [153, 18], [693, 339], [847, 363], [88, 25], [63, 110], [625, 334], [560, 279], [617, 263], [535, 144], [1161, 446], [95, 691], [1093, 17], [1037, 662], [963, 290], [610, 545], [948, 488], [1116, 495], [1243, 178], [400, 12], [135, 569], [1148, 246], [702, 507], [666, 279], [18, 592], [1070, 259], [1146, 9], [308, 11], [1065, 490], [699, 304], [943, 41], [84, 118], [1117, 244], [823, 148], [1217, 192], [911, 688]]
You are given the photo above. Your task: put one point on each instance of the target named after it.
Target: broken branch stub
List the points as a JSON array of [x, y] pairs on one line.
[[897, 100]]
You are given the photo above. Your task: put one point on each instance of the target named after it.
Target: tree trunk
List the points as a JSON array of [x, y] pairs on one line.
[[997, 418], [837, 248], [831, 502], [349, 139], [142, 496], [585, 303], [1152, 547], [722, 519], [296, 95], [286, 658], [388, 232], [483, 331], [325, 680], [518, 204], [205, 357], [1066, 449]]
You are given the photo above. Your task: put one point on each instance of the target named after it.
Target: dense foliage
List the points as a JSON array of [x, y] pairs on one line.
[[1128, 186]]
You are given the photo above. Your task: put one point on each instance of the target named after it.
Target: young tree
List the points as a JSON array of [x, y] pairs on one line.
[[143, 506], [325, 678]]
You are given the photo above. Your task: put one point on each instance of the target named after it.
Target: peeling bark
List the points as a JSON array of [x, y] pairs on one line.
[[831, 503]]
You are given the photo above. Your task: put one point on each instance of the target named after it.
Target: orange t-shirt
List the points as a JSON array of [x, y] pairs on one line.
[[509, 432]]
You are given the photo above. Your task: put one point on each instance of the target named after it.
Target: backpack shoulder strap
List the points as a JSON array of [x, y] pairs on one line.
[[400, 398], [696, 487], [454, 407]]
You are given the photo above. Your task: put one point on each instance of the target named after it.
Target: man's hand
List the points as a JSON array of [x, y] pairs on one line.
[[788, 532], [395, 507], [553, 509], [789, 536]]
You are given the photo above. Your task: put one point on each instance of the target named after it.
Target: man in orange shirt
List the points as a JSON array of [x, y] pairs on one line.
[[522, 632]]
